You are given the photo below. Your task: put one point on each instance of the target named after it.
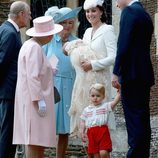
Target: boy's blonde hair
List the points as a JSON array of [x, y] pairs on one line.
[[99, 87]]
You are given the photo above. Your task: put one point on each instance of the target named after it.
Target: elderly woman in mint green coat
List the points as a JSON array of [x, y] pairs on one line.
[[65, 74]]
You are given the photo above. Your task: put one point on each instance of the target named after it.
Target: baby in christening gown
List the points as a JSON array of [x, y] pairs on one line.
[[78, 51]]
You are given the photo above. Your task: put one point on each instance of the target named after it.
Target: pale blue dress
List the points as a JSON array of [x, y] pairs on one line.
[[63, 81]]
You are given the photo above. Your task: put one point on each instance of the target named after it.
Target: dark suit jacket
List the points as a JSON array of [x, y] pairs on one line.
[[133, 61], [10, 44]]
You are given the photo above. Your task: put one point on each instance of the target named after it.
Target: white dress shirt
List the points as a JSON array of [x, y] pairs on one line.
[[14, 24], [133, 1]]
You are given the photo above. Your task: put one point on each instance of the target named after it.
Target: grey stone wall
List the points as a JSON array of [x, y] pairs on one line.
[[4, 9]]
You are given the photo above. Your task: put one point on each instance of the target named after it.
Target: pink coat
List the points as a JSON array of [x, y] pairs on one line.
[[34, 83]]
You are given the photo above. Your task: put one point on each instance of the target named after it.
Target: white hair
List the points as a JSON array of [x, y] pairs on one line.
[[17, 7]]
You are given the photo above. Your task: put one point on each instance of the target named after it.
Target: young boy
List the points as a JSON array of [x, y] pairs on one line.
[[94, 121]]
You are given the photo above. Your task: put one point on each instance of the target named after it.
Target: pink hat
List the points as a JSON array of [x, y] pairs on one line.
[[44, 26]]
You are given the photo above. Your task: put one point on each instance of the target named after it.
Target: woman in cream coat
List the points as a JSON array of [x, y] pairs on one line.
[[101, 38], [34, 119]]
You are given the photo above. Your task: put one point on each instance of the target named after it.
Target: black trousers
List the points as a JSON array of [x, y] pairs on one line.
[[135, 101], [7, 150]]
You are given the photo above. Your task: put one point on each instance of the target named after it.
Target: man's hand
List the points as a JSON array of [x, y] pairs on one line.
[[115, 82]]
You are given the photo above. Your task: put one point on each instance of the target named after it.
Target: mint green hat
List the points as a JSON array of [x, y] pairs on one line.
[[62, 14]]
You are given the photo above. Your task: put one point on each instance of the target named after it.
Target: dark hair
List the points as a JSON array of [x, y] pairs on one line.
[[103, 17]]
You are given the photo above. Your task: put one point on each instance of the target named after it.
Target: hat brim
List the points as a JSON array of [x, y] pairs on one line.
[[70, 15], [31, 32]]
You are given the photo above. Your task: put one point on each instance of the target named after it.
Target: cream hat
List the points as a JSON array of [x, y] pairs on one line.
[[62, 14], [92, 4], [43, 26]]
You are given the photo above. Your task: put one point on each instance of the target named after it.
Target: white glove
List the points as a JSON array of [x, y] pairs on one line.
[[42, 108]]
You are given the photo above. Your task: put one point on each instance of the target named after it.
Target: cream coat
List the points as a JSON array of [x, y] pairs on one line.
[[34, 83], [103, 42]]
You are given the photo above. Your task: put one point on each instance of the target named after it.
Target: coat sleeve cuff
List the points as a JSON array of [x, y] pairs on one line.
[[93, 65], [116, 72]]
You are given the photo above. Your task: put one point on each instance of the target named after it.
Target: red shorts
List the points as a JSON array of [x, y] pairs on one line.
[[99, 139]]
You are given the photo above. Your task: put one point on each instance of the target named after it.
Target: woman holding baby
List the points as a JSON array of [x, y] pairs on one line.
[[102, 41]]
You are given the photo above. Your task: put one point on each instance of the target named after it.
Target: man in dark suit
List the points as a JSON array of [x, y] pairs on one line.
[[10, 44], [133, 73]]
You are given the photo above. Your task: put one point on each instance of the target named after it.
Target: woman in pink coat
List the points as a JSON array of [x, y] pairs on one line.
[[34, 120]]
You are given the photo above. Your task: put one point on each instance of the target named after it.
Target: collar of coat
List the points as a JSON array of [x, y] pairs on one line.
[[98, 32]]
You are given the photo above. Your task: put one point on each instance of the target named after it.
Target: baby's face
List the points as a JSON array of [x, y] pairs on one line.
[[96, 97]]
